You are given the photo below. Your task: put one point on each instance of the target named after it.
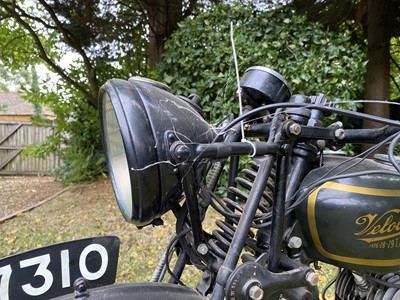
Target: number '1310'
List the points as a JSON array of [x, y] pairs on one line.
[[42, 270]]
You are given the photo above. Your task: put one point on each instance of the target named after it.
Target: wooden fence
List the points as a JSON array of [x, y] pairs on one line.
[[14, 137]]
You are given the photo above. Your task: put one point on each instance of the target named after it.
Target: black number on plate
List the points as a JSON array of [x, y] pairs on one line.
[[50, 271]]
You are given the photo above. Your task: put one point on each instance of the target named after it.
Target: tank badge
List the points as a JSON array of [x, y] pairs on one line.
[[379, 227]]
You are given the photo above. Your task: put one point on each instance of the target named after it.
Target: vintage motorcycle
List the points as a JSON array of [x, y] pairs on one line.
[[292, 205], [286, 196]]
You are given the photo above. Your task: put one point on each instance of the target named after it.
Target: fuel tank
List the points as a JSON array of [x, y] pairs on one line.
[[352, 222]]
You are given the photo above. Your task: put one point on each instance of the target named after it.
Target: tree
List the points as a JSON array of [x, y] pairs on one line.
[[109, 38], [15, 50], [163, 17], [395, 71], [10, 80], [28, 22], [90, 29], [43, 32], [198, 56], [380, 22]]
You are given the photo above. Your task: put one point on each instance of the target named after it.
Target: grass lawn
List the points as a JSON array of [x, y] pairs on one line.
[[90, 210]]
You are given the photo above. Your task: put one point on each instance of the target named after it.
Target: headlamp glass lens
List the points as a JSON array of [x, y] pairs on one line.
[[117, 160]]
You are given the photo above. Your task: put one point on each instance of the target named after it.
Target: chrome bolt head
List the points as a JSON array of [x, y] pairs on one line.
[[340, 134], [312, 278], [295, 242], [295, 129], [256, 293], [202, 249]]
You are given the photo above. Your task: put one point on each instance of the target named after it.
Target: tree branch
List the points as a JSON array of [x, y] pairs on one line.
[[190, 9], [149, 13], [395, 62], [42, 51], [9, 43], [70, 40], [395, 83], [33, 18]]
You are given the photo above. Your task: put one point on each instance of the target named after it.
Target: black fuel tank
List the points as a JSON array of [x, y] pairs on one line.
[[353, 222]]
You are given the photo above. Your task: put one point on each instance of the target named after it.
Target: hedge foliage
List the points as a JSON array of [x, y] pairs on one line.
[[198, 57]]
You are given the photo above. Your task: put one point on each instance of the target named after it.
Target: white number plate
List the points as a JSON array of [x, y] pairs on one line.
[[50, 271]]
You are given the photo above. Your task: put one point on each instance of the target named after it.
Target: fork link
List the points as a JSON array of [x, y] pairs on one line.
[[278, 215]]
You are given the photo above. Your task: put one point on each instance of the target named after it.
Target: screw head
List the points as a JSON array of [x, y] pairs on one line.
[[171, 137], [206, 275], [81, 286]]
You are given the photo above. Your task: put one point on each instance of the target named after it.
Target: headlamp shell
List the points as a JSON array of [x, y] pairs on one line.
[[135, 115]]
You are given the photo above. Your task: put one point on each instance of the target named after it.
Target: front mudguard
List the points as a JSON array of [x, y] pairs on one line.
[[133, 291]]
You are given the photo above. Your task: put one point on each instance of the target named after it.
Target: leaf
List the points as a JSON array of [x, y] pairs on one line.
[[308, 56], [11, 240], [296, 81], [168, 79], [150, 262], [12, 232]]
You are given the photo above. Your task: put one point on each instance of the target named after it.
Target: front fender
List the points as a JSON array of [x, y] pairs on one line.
[[133, 291]]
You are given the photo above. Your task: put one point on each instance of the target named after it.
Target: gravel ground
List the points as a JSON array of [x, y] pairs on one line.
[[17, 193]]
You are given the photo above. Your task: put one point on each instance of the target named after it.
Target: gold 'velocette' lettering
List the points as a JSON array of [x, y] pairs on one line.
[[379, 227]]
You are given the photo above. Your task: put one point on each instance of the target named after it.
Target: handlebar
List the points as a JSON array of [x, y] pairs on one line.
[[356, 136], [365, 136]]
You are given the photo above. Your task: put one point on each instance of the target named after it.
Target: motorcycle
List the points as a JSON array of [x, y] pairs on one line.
[[285, 194], [292, 205]]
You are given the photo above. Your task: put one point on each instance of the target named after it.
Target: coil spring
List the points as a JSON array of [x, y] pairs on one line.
[[222, 237], [346, 287]]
